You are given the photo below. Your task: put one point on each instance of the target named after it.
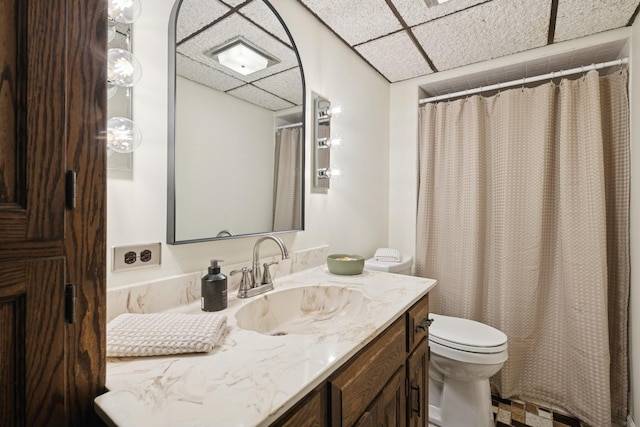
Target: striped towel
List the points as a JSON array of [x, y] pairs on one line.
[[388, 255], [158, 334]]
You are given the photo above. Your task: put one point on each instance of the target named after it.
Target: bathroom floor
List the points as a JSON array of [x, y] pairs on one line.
[[517, 413]]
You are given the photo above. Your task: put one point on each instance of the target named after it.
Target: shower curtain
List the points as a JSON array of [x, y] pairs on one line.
[[523, 218], [287, 192]]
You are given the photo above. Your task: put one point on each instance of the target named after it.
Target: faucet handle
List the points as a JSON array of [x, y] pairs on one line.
[[245, 282], [266, 275]]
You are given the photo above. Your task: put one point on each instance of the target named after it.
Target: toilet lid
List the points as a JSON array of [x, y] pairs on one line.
[[466, 335]]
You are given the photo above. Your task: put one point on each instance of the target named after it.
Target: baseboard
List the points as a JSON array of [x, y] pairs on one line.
[[630, 422]]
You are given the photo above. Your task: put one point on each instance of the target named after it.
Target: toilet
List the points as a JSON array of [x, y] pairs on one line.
[[464, 355]]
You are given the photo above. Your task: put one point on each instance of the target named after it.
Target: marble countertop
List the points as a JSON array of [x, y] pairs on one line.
[[251, 379]]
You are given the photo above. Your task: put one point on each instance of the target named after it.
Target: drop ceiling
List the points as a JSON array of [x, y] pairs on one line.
[[400, 39], [403, 39]]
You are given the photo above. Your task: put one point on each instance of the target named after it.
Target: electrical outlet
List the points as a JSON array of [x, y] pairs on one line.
[[132, 257]]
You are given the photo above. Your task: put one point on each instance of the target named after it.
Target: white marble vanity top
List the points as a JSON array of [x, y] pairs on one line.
[[251, 379]]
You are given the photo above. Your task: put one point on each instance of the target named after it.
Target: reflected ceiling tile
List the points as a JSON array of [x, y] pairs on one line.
[[200, 73], [258, 11], [416, 12], [287, 85], [259, 97], [195, 14], [487, 31], [577, 18], [384, 52], [226, 30], [356, 21]]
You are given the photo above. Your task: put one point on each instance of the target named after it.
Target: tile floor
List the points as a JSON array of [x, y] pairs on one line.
[[517, 413]]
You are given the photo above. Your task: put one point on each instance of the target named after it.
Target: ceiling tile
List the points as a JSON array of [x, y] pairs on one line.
[[226, 30], [258, 11], [416, 12], [577, 18], [204, 75], [259, 97], [356, 21], [487, 31], [287, 85], [383, 54], [195, 14]]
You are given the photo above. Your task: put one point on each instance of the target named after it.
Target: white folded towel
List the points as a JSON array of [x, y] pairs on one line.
[[158, 334], [388, 255]]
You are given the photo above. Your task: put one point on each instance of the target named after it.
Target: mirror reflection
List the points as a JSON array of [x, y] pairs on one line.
[[236, 149]]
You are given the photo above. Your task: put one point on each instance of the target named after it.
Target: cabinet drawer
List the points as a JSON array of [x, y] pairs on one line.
[[356, 386], [417, 325]]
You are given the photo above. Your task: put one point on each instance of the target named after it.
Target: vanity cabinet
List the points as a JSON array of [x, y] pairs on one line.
[[385, 384]]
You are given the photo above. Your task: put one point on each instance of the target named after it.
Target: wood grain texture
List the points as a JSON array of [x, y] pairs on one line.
[[392, 401], [85, 237], [418, 375], [416, 313], [310, 412], [358, 383], [12, 362], [8, 102]]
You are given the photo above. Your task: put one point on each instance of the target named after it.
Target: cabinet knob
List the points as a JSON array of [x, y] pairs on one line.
[[424, 324]]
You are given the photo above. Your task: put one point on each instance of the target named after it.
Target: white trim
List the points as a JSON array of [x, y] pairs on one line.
[[630, 422]]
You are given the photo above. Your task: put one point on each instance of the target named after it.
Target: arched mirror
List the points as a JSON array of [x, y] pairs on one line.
[[236, 122]]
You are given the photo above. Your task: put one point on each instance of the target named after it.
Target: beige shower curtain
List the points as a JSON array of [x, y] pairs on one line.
[[523, 216], [287, 192]]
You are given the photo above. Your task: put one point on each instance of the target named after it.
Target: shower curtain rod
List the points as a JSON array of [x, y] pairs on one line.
[[293, 125], [525, 80]]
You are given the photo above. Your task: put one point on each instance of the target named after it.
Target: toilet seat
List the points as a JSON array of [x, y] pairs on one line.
[[466, 335]]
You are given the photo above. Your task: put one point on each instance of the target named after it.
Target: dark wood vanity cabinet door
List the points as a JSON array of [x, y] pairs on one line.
[[418, 386], [310, 412], [52, 99]]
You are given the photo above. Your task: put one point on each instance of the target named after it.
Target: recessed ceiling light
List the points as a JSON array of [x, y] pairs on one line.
[[433, 3], [241, 56]]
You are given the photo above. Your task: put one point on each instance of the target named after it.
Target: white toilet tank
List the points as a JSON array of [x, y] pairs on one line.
[[399, 267]]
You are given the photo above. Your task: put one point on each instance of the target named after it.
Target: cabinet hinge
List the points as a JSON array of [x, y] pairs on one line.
[[71, 189], [70, 303]]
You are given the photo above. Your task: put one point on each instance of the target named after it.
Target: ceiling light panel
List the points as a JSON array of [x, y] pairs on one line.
[[382, 53], [356, 21], [490, 30], [416, 12], [258, 11], [287, 85], [577, 18], [228, 29], [195, 14], [259, 97]]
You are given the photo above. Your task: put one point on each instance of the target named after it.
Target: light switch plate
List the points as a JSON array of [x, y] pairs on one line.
[[132, 257]]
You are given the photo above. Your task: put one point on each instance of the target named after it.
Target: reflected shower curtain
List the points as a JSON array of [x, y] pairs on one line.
[[523, 218], [287, 192]]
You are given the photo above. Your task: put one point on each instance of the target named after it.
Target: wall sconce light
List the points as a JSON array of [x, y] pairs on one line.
[[241, 56], [123, 72], [324, 143], [123, 136]]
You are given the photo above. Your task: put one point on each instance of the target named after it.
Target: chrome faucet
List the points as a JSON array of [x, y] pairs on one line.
[[254, 281]]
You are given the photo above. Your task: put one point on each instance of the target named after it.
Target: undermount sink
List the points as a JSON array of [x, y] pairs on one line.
[[304, 310]]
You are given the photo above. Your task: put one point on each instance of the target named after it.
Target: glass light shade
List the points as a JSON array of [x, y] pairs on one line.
[[124, 11], [111, 32], [111, 90], [242, 59], [335, 142], [123, 68], [123, 136], [336, 109], [334, 172]]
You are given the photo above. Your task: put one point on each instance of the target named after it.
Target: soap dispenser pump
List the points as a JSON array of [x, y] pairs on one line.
[[214, 289]]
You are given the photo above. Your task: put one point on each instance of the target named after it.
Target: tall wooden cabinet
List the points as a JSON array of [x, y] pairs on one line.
[[52, 232]]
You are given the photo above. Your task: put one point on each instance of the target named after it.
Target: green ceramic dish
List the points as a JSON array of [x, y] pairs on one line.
[[346, 265]]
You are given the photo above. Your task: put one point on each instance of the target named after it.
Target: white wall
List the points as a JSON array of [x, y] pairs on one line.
[[352, 217], [228, 140]]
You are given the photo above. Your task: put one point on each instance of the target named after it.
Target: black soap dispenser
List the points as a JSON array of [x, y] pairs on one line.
[[214, 289]]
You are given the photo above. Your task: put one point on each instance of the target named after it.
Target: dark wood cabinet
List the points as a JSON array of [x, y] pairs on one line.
[[384, 385], [52, 104]]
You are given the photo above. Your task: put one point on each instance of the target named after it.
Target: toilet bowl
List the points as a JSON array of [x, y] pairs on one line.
[[464, 355]]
